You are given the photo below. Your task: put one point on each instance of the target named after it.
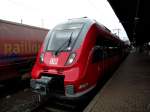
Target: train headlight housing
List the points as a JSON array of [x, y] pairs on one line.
[[71, 59], [41, 57]]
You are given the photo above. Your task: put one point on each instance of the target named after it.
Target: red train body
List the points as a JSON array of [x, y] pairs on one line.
[[74, 56], [19, 44]]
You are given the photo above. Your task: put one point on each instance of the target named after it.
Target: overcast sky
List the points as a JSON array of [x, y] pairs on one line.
[[48, 13]]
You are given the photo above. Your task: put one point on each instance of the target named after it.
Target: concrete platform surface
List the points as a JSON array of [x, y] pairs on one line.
[[128, 90]]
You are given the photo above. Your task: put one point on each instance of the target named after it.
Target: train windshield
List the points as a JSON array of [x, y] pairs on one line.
[[63, 37]]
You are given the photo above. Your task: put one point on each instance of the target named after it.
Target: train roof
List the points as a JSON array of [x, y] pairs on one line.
[[88, 23], [81, 20], [22, 25]]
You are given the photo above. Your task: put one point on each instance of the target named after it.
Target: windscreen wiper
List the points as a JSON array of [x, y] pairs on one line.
[[69, 40]]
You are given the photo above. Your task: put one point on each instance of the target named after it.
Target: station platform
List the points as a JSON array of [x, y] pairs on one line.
[[128, 90]]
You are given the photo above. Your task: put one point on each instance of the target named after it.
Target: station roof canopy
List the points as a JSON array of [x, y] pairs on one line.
[[135, 17]]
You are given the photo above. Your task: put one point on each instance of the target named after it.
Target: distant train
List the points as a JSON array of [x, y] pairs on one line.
[[19, 44], [74, 57]]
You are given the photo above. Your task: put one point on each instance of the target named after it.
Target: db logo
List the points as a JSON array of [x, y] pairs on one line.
[[54, 61]]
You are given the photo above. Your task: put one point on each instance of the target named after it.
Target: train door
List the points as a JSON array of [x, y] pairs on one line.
[[98, 59], [96, 66]]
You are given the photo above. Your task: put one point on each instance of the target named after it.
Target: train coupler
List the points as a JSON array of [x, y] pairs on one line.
[[42, 85]]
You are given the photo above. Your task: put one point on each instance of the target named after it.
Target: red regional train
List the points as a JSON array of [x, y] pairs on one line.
[[19, 44], [73, 57]]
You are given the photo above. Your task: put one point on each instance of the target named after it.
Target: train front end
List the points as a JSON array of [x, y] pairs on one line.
[[58, 70]]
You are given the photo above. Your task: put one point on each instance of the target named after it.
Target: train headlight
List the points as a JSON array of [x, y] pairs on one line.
[[71, 59], [42, 58]]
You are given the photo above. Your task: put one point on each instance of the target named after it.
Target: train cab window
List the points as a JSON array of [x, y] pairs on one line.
[[63, 37]]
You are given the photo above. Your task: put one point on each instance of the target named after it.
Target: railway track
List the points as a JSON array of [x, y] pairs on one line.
[[22, 101], [18, 97], [27, 101], [55, 106]]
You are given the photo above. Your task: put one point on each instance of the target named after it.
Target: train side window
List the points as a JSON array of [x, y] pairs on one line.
[[97, 54], [105, 52]]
